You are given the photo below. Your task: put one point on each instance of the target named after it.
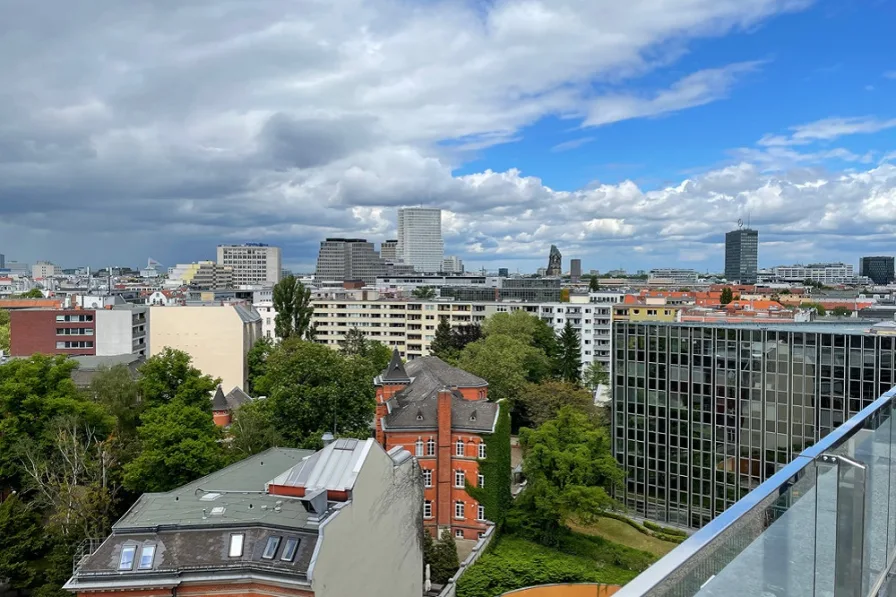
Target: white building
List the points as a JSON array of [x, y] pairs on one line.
[[43, 269], [452, 265], [824, 273], [420, 238], [252, 263], [674, 275]]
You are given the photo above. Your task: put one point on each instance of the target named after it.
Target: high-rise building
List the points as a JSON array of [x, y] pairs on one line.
[[2, 261], [555, 262], [252, 263], [879, 269], [741, 255], [205, 275], [420, 238], [342, 259], [575, 269], [452, 265], [704, 413], [43, 269], [389, 250], [503, 272]]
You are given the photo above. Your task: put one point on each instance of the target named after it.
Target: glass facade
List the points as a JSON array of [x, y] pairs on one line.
[[741, 255], [702, 414]]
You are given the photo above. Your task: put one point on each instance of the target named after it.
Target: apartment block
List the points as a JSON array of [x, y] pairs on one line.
[[112, 331], [252, 263], [44, 269], [344, 259]]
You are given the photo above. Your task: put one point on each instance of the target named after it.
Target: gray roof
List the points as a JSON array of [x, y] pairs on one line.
[[395, 371], [89, 366], [436, 371], [334, 468], [247, 313], [822, 327], [219, 403], [236, 398]]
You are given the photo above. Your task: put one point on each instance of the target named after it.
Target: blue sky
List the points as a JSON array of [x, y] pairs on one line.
[[629, 134]]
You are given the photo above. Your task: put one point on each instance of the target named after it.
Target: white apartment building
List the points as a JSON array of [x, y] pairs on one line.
[[824, 273], [674, 275], [420, 238], [252, 263], [43, 269]]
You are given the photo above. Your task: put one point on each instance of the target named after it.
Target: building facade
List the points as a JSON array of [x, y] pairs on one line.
[[452, 265], [79, 332], [389, 250], [252, 263], [880, 269], [575, 269], [703, 413], [420, 238], [674, 275], [344, 259], [43, 269], [742, 255], [441, 414], [823, 273], [555, 262]]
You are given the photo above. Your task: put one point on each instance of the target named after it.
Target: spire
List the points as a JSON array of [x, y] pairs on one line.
[[219, 403], [395, 371]]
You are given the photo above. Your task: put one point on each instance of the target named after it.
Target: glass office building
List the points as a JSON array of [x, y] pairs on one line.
[[703, 413]]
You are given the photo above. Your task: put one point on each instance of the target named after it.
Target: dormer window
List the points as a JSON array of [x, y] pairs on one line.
[[236, 546], [146, 556], [126, 561], [289, 550], [270, 550], [419, 415], [473, 416]]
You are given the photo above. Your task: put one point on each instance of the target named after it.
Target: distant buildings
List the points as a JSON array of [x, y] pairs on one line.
[[2, 261], [555, 262], [452, 265], [823, 273], [741, 255], [344, 259], [204, 275], [252, 263], [284, 522], [503, 272], [217, 337], [44, 269], [441, 414], [675, 276], [880, 269], [420, 238], [575, 269], [389, 251]]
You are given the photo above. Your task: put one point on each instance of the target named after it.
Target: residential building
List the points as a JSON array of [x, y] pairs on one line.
[[508, 289], [74, 331], [674, 276], [252, 263], [704, 413], [441, 414], [880, 269], [344, 259], [420, 238], [555, 262], [217, 337], [741, 255], [285, 523], [452, 265], [44, 269], [823, 273], [575, 269], [645, 312], [389, 250], [412, 281]]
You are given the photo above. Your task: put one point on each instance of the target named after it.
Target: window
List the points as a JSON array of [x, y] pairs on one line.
[[482, 450], [146, 557], [236, 546], [270, 550], [480, 480], [480, 512], [427, 509], [418, 448], [459, 448], [458, 509], [427, 478], [431, 447], [127, 557], [289, 550], [459, 534], [459, 478]]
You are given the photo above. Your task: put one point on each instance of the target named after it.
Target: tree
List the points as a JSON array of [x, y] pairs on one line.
[[442, 344], [292, 302], [253, 430], [256, 361], [465, 334], [542, 402], [179, 443], [569, 360], [21, 541], [528, 329], [506, 363], [354, 343], [378, 354], [313, 389], [595, 375], [570, 470], [424, 292], [4, 330], [819, 308], [170, 376], [445, 562], [118, 392], [34, 293], [495, 494], [727, 296], [593, 286], [841, 311]]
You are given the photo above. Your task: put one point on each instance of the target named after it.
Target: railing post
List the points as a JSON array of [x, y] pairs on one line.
[[849, 551]]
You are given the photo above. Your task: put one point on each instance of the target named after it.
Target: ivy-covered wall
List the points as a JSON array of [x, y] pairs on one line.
[[495, 469]]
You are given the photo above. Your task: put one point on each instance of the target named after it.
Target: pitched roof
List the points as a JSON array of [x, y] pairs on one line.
[[219, 403], [395, 371], [442, 373], [466, 415], [236, 398]]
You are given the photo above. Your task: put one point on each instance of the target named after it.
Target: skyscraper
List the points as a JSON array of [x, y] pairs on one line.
[[342, 259], [420, 238], [252, 263], [879, 269], [575, 269], [741, 255]]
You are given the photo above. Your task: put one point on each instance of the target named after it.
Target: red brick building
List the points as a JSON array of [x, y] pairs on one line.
[[441, 414], [52, 331]]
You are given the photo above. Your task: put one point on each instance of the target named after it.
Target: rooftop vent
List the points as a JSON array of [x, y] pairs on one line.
[[315, 502]]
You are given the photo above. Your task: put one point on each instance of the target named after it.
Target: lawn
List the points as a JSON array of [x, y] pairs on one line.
[[619, 532]]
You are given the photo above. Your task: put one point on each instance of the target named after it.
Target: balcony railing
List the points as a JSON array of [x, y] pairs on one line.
[[824, 525]]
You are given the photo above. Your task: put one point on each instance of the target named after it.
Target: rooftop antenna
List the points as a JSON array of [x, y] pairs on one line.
[[740, 223]]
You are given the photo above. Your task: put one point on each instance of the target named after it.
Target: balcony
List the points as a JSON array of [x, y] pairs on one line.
[[823, 525]]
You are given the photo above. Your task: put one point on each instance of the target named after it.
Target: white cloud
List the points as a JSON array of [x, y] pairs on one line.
[[573, 144], [827, 129]]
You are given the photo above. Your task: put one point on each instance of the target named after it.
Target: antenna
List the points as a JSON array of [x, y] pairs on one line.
[[740, 223]]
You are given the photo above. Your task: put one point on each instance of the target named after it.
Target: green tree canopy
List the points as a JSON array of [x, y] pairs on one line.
[[841, 311], [727, 296], [292, 302], [506, 363], [253, 429], [570, 469], [444, 558], [595, 375], [424, 292], [34, 293], [170, 376], [378, 354], [119, 393], [357, 344], [311, 389], [256, 361], [569, 360], [593, 286], [353, 343], [819, 308], [442, 344], [4, 330], [21, 541], [524, 327], [542, 402]]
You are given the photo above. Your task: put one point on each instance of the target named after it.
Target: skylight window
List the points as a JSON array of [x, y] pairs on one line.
[[289, 550], [270, 550], [208, 497], [236, 546], [146, 557], [218, 511], [127, 557]]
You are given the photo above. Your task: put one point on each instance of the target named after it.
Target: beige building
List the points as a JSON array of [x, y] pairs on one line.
[[218, 337], [252, 263]]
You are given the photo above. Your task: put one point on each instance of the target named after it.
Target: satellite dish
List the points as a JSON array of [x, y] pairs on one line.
[[740, 223]]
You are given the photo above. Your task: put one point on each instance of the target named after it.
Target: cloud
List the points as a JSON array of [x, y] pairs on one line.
[[574, 144], [827, 129]]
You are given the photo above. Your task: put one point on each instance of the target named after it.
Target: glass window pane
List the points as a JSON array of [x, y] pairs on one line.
[[270, 550], [289, 550], [127, 557], [146, 557], [236, 546]]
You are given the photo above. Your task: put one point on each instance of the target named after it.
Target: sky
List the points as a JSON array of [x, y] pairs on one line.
[[630, 134]]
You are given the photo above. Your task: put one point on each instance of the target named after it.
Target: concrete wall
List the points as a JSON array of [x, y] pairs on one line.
[[372, 547], [114, 332], [450, 588], [214, 336]]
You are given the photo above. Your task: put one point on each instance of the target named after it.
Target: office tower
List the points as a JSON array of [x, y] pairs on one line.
[[703, 413], [252, 263], [452, 265], [555, 262], [503, 272], [44, 269], [389, 251], [575, 269], [2, 261], [879, 269], [420, 238], [741, 255], [342, 259]]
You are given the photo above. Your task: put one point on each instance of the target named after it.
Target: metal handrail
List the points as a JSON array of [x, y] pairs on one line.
[[770, 489]]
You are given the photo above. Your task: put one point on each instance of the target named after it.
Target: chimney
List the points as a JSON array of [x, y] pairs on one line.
[[443, 462], [327, 438]]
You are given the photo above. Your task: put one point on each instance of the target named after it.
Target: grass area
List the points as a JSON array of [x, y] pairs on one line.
[[619, 532], [514, 562]]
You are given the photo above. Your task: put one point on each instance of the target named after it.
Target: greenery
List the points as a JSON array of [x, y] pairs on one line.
[[595, 375], [424, 292], [727, 296], [524, 327], [20, 542], [495, 496], [4, 330], [819, 308], [441, 345], [841, 311], [450, 341], [624, 534], [441, 556], [170, 376], [356, 344], [34, 293], [506, 362], [593, 285], [292, 302], [542, 402], [569, 360], [256, 362]]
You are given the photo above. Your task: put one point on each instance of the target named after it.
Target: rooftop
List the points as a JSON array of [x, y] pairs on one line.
[[824, 327]]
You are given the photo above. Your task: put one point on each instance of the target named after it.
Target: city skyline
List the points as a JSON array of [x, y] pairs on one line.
[[632, 149]]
